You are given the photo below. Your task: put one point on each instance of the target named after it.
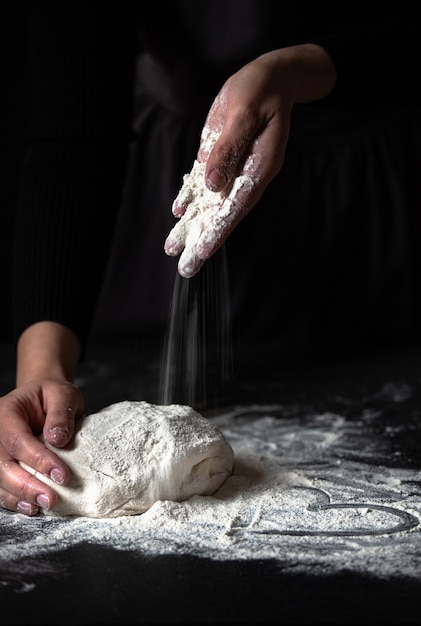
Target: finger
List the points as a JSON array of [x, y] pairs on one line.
[[212, 238], [189, 263], [212, 127], [64, 405], [242, 197], [12, 503], [202, 202], [19, 444], [225, 159], [226, 137], [176, 239], [19, 485], [187, 194], [260, 167], [179, 207]]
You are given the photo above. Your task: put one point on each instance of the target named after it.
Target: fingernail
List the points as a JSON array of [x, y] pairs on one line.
[[216, 179], [26, 508], [43, 500], [57, 475], [59, 434], [169, 247]]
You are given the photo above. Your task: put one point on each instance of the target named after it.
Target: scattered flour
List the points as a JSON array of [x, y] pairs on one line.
[[129, 455], [301, 493]]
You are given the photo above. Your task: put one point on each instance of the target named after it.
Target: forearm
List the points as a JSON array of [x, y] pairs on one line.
[[307, 71], [47, 350]]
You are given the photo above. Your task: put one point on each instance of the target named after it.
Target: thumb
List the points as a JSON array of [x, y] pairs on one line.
[[64, 404]]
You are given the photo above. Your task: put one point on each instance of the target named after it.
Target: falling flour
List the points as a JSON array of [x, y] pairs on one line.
[[130, 455]]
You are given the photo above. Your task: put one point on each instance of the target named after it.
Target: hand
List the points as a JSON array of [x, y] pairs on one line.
[[49, 407], [242, 148], [44, 402]]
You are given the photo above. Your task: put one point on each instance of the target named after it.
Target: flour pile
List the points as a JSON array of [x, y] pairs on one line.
[[130, 455], [302, 493]]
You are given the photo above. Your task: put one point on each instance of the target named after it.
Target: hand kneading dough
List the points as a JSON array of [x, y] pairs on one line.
[[131, 454]]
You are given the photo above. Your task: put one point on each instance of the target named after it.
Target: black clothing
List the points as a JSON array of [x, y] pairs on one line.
[[119, 96]]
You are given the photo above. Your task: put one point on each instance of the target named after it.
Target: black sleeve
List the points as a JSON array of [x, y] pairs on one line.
[[82, 60]]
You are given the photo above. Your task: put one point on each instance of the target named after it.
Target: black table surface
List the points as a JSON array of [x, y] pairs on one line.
[[95, 584]]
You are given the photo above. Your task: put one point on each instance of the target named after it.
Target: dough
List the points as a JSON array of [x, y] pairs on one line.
[[131, 454]]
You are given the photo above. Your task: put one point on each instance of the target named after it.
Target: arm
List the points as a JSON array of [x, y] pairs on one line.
[[71, 183], [44, 402], [47, 350], [244, 139], [337, 63]]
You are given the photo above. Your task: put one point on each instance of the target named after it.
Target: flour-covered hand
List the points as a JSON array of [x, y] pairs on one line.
[[206, 220], [242, 148]]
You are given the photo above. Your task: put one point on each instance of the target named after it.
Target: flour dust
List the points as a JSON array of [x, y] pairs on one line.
[[196, 361]]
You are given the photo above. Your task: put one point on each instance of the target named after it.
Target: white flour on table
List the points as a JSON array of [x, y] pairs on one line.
[[295, 497]]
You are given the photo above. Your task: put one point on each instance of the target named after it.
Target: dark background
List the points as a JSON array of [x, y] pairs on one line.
[[98, 586], [14, 117], [14, 112]]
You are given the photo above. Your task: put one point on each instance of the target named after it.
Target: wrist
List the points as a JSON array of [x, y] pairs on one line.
[[47, 350], [307, 69]]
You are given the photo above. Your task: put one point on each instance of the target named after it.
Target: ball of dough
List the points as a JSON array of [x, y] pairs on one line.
[[131, 454]]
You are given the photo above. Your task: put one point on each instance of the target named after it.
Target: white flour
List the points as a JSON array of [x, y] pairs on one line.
[[204, 208], [294, 497]]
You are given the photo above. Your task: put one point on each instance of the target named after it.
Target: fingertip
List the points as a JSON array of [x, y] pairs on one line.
[[216, 179], [26, 508], [58, 476], [58, 436], [206, 245], [189, 266], [178, 209], [171, 247]]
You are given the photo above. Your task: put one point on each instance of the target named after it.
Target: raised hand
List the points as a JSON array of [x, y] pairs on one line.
[[242, 148]]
